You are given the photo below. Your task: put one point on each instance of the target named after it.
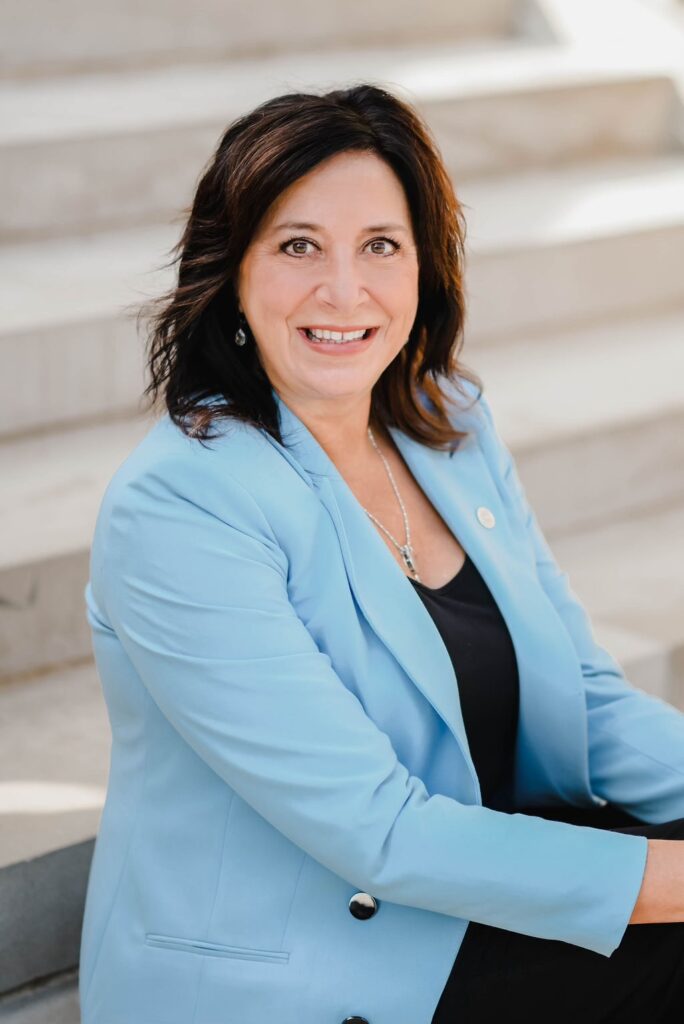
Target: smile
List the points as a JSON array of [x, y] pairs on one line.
[[337, 337]]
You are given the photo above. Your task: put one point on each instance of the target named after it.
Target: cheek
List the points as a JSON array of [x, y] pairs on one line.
[[283, 290], [401, 286], [404, 298], [270, 283]]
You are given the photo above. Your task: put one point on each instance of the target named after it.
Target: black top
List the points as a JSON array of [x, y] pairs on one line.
[[479, 644]]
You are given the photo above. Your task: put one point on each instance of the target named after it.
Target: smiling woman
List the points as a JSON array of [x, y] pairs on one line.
[[317, 218], [349, 686], [290, 287]]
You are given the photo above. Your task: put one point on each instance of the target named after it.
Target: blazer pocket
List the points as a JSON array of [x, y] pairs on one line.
[[203, 948]]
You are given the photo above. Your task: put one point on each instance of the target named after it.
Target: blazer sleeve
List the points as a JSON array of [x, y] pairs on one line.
[[193, 581], [636, 740]]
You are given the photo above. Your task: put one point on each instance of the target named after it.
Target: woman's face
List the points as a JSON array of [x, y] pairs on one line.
[[336, 251]]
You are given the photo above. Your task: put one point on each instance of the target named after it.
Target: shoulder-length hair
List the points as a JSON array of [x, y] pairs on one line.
[[191, 357]]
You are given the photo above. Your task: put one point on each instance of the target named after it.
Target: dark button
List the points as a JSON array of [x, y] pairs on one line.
[[362, 905], [354, 1020]]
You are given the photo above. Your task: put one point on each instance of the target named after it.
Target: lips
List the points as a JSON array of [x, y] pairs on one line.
[[370, 332]]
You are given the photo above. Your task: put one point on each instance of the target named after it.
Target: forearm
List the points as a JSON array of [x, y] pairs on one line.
[[661, 897]]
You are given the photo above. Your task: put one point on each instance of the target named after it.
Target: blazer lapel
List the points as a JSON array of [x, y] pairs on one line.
[[394, 611], [457, 484], [552, 745]]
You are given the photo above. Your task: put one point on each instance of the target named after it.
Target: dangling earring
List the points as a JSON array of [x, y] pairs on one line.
[[240, 335]]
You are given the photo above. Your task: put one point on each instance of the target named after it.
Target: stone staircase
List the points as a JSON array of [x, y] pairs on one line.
[[563, 125]]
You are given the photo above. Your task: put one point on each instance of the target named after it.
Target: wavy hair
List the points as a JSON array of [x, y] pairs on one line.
[[191, 360]]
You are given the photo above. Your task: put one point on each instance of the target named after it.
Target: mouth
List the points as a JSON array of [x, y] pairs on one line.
[[340, 338]]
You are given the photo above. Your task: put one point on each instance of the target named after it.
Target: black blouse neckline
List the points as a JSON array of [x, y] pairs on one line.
[[477, 640], [445, 586]]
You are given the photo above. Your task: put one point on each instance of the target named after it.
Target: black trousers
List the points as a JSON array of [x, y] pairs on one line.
[[501, 975]]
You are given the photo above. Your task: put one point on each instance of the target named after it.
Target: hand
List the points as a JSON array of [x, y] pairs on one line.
[[661, 897]]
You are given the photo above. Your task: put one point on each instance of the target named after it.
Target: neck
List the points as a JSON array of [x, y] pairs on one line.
[[342, 431]]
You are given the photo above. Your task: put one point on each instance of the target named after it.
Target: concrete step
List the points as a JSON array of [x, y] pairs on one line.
[[594, 416], [52, 488], [127, 34], [54, 763], [628, 575], [563, 247], [52, 1002], [68, 334], [91, 152], [573, 245]]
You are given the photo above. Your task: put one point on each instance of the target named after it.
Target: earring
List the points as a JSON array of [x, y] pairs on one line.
[[240, 335]]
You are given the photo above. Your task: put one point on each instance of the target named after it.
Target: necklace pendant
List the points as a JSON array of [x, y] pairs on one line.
[[407, 555]]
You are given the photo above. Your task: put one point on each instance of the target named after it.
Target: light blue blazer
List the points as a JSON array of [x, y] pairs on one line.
[[287, 733]]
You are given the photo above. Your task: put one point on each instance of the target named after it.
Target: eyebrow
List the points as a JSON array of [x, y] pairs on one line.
[[304, 226]]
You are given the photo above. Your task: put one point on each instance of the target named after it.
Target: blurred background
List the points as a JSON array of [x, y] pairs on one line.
[[562, 122]]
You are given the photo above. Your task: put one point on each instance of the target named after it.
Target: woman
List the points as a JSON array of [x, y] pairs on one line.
[[349, 687]]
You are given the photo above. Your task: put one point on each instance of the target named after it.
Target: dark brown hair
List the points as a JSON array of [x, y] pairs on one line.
[[191, 355]]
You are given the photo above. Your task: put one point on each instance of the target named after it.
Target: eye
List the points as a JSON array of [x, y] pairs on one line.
[[295, 241], [392, 241], [302, 242]]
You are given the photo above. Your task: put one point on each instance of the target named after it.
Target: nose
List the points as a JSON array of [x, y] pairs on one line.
[[342, 284]]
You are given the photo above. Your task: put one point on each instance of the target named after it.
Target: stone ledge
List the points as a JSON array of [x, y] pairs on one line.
[[41, 914], [50, 1001]]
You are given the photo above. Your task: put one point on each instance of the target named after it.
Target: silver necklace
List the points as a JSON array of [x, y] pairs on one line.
[[405, 550]]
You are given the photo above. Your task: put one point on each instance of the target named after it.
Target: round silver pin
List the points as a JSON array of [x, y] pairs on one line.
[[486, 516]]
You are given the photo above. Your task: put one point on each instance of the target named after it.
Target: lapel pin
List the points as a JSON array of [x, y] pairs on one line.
[[486, 517]]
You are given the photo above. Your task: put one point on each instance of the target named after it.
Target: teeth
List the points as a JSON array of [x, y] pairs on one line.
[[335, 336]]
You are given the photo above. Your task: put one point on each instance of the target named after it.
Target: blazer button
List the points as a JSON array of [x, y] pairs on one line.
[[354, 1020], [362, 906], [486, 517]]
